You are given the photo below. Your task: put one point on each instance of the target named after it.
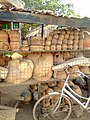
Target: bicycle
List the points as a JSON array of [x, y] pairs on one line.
[[61, 106]]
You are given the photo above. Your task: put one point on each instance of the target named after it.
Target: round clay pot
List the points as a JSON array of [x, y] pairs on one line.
[[3, 36], [14, 36], [15, 45]]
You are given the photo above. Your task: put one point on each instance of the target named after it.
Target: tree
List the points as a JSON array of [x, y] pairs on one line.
[[55, 5]]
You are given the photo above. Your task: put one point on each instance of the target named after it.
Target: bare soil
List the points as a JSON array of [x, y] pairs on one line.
[[25, 112]]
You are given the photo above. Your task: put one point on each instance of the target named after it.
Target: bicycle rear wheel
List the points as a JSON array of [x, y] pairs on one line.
[[45, 106]]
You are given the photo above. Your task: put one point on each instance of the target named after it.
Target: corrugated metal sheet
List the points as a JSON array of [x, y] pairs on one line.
[[27, 16], [16, 3]]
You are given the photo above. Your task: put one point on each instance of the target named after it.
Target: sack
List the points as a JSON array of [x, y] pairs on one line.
[[19, 71], [43, 63]]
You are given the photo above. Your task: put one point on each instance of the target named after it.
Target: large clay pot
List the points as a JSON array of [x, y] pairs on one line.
[[3, 36], [15, 45], [14, 36], [4, 46]]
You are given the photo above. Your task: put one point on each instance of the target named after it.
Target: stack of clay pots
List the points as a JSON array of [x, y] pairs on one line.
[[25, 45], [86, 40], [36, 43], [46, 88], [4, 44], [14, 36], [65, 39]]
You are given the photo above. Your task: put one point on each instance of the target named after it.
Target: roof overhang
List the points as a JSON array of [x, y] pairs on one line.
[[16, 3]]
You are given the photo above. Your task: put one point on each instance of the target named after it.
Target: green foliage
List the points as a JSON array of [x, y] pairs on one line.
[[54, 5], [25, 28]]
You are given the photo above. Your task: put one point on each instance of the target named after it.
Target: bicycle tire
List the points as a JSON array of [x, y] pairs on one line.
[[53, 116]]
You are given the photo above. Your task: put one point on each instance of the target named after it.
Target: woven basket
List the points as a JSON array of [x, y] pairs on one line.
[[14, 36], [24, 48], [15, 45], [42, 63], [4, 46], [3, 36], [36, 41], [3, 72], [36, 47]]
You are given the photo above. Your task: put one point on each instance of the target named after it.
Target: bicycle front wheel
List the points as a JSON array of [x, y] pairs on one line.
[[45, 106]]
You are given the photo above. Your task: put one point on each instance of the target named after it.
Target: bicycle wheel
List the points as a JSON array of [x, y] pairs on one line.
[[45, 106]]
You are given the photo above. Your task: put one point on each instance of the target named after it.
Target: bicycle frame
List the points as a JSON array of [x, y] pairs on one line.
[[74, 96], [69, 93]]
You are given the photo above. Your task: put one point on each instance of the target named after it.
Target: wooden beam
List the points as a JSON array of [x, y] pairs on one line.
[[26, 17]]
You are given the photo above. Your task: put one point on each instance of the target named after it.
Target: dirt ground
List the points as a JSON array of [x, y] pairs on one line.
[[25, 112]]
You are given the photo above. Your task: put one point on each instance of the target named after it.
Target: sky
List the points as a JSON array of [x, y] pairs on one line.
[[81, 6]]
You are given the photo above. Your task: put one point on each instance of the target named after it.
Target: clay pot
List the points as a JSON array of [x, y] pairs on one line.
[[3, 36], [4, 46], [15, 45], [25, 48], [58, 47], [55, 36], [14, 36], [47, 47], [49, 38]]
